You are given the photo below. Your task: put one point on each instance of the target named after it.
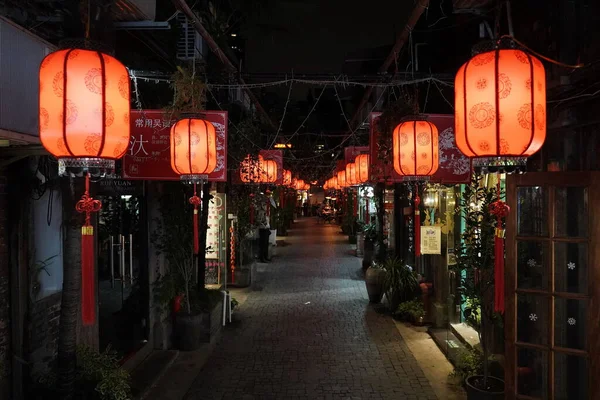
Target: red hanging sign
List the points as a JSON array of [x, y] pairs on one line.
[[149, 153]]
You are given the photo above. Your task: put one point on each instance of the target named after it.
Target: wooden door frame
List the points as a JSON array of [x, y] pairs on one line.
[[545, 179]]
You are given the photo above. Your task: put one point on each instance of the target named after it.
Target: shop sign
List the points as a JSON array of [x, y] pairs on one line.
[[216, 239], [149, 153], [119, 187], [431, 240]]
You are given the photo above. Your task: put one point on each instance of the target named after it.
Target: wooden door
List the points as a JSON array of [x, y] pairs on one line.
[[552, 323]]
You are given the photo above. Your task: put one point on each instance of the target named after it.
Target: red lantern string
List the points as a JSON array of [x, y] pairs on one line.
[[417, 202], [251, 208], [500, 210], [195, 201], [87, 205]]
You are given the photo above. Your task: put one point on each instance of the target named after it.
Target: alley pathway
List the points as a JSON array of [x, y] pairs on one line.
[[307, 331]]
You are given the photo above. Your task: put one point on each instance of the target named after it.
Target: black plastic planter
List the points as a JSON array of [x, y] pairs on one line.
[[495, 388]]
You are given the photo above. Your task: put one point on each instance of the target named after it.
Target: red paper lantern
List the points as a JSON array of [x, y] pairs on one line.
[[287, 177], [416, 149], [351, 174], [362, 168], [193, 148], [500, 105], [341, 179], [258, 171], [84, 108]]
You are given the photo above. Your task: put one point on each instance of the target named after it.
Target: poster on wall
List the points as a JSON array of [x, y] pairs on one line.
[[149, 153], [431, 240], [215, 239]]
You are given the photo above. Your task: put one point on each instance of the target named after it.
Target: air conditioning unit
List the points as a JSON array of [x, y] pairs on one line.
[[190, 45]]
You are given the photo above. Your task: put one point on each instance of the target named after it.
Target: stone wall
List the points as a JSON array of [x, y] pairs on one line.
[[43, 332]]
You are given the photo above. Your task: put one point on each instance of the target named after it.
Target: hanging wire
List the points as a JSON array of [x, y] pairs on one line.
[[548, 59], [283, 115]]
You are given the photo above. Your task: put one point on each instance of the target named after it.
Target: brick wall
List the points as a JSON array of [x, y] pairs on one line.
[[5, 333], [43, 332]]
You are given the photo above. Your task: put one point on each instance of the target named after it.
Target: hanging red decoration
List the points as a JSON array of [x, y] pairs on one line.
[[500, 210], [287, 177], [258, 170], [416, 157], [351, 174], [84, 106], [341, 179], [362, 168], [193, 157], [500, 107]]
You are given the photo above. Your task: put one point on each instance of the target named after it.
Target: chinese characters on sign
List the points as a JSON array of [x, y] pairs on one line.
[[148, 156], [216, 237], [431, 240]]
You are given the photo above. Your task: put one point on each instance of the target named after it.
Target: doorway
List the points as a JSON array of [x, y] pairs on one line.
[[552, 291], [122, 276]]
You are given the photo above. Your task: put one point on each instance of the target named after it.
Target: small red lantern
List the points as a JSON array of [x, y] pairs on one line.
[[287, 177], [84, 110], [341, 179], [351, 174], [193, 157], [258, 171], [362, 168], [416, 157]]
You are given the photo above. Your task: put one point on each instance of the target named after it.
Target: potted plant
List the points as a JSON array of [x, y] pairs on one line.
[[370, 236], [375, 281], [401, 282], [475, 263], [412, 311]]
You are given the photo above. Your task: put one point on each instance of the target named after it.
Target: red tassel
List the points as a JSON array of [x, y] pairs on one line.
[[88, 283], [88, 205], [195, 201], [417, 223], [499, 271]]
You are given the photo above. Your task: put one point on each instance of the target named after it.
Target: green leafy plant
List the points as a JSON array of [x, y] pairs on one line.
[[400, 281], [469, 362], [475, 262], [98, 376], [412, 309], [370, 231]]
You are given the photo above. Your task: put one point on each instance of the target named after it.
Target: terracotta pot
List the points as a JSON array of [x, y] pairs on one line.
[[474, 392], [374, 279]]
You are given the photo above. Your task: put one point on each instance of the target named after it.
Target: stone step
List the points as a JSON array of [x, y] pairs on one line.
[[149, 372]]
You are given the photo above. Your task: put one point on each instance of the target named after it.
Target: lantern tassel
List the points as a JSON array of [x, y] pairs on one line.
[[417, 202], [87, 205], [499, 209], [195, 201]]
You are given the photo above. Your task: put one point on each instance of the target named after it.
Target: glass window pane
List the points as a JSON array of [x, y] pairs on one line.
[[570, 267], [532, 265], [532, 211], [571, 211], [570, 323], [532, 373], [571, 377], [532, 319]]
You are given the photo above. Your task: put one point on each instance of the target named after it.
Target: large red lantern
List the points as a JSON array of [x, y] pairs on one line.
[[84, 110], [362, 168], [416, 149], [500, 106], [193, 157]]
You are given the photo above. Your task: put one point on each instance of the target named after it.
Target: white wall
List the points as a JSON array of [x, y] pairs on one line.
[[47, 241]]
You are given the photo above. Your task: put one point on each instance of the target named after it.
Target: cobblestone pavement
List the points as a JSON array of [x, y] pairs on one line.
[[307, 331]]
